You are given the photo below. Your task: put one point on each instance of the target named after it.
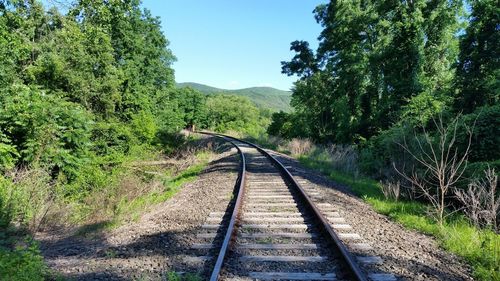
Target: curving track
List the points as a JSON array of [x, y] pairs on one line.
[[275, 232]]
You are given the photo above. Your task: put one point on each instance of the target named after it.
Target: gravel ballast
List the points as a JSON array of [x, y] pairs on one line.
[[407, 254], [158, 244], [162, 240]]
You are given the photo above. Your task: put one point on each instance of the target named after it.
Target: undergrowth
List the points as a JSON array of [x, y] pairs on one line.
[[481, 248], [20, 260], [112, 192], [171, 184]]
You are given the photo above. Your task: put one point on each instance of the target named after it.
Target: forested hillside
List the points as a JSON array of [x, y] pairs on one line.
[[263, 97]]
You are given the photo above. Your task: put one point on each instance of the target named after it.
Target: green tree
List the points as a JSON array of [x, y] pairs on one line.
[[139, 49], [373, 58], [192, 106], [79, 65], [478, 70], [21, 26], [228, 112]]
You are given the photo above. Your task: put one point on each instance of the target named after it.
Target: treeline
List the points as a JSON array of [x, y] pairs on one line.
[[91, 83], [386, 71], [83, 92], [222, 112]]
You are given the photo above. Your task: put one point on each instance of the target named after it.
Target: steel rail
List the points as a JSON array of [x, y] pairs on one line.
[[234, 216], [356, 272]]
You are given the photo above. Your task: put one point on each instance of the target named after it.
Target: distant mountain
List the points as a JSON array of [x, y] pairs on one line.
[[264, 97]]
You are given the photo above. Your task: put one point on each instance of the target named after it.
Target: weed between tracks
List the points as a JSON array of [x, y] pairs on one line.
[[266, 240], [173, 276]]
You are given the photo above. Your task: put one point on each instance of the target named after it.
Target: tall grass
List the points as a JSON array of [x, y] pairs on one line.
[[171, 183]]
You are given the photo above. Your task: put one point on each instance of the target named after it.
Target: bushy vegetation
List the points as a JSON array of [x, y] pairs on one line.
[[83, 96], [24, 263], [408, 93], [74, 100]]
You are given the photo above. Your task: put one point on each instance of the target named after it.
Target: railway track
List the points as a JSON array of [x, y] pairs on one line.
[[274, 231]]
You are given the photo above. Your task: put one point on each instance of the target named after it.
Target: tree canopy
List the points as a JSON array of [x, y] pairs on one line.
[[377, 62]]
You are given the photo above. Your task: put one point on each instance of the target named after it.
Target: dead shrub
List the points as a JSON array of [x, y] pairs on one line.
[[481, 201], [391, 190], [441, 164], [299, 146], [344, 158]]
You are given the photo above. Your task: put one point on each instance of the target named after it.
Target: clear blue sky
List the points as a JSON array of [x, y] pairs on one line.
[[235, 44]]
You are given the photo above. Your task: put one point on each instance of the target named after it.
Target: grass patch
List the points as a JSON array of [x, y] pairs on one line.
[[174, 276], [481, 248], [132, 209]]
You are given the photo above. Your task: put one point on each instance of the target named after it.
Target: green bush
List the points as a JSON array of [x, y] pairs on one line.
[[112, 138], [485, 141], [8, 153], [23, 262], [92, 177], [144, 126], [378, 153], [44, 129]]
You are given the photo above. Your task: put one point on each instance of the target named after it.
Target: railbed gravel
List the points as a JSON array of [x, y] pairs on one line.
[[160, 240], [235, 268], [157, 243], [407, 254]]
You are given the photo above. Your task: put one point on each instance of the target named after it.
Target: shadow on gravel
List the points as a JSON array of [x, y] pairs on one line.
[[426, 271], [149, 256], [225, 164], [97, 276], [87, 254], [85, 240]]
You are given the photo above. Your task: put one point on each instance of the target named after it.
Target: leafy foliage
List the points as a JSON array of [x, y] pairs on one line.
[[377, 62], [44, 129], [478, 69], [27, 258], [287, 125]]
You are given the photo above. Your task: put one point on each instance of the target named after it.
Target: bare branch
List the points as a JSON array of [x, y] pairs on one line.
[[441, 162]]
